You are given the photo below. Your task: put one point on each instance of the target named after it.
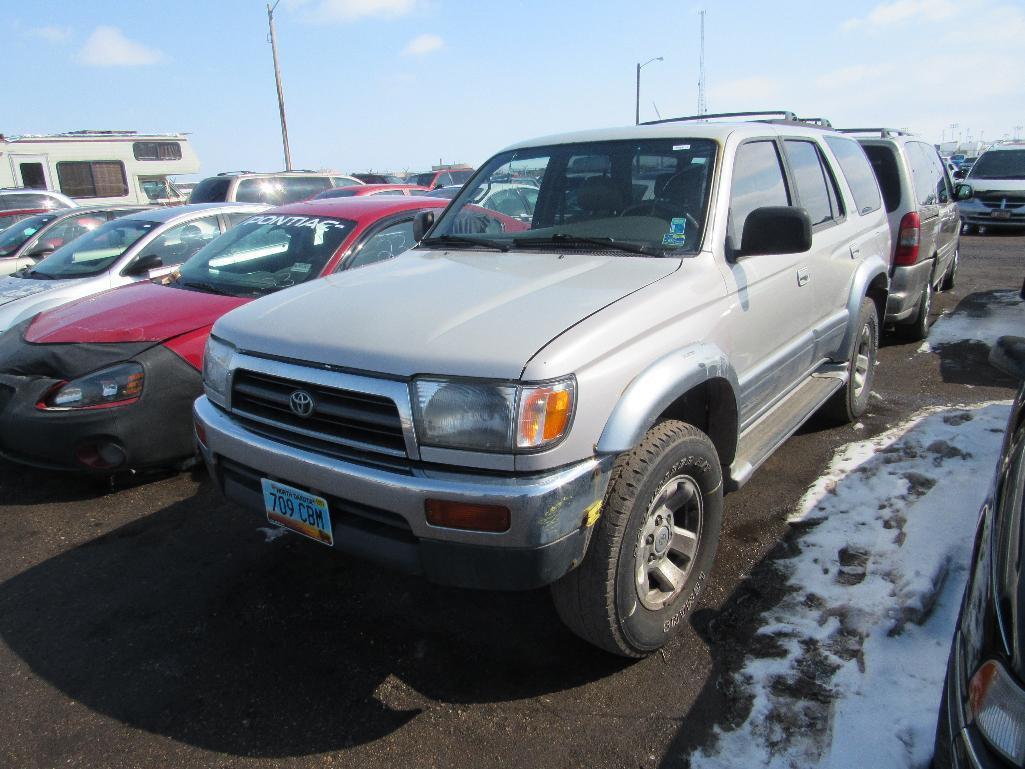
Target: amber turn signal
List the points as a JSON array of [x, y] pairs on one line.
[[465, 515]]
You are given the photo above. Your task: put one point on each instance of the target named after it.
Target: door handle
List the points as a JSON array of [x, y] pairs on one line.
[[802, 276], [855, 251]]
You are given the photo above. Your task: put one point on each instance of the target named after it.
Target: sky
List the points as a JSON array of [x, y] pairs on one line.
[[403, 84]]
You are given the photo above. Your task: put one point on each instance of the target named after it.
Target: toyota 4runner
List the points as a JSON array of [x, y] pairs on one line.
[[563, 401]]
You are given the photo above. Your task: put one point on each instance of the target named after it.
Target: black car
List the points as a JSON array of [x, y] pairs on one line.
[[982, 713]]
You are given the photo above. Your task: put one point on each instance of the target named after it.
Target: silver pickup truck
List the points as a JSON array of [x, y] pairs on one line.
[[561, 398]]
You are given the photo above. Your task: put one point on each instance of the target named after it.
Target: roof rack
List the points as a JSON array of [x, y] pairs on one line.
[[784, 114], [883, 132], [821, 122], [232, 173]]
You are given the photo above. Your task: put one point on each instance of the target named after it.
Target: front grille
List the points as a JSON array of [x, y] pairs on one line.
[[1000, 199], [354, 419]]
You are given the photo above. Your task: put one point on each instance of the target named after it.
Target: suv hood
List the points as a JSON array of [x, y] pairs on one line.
[[465, 313], [995, 185], [143, 312]]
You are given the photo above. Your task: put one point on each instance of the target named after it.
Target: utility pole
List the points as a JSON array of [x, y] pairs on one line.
[[702, 106], [277, 79], [637, 102]]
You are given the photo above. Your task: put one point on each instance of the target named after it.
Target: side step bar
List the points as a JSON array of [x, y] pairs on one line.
[[766, 435]]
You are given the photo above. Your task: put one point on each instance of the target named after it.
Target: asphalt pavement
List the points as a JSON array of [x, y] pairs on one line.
[[160, 626]]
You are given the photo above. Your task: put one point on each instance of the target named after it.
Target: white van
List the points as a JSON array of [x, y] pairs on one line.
[[99, 166]]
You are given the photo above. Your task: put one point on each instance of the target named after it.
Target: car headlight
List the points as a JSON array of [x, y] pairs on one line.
[[217, 369], [112, 386], [493, 417]]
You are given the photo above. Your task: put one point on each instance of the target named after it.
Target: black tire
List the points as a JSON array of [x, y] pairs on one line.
[[951, 274], [918, 329], [851, 400], [968, 229], [601, 600]]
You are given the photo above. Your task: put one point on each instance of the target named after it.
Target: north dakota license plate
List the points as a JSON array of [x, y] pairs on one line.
[[297, 510]]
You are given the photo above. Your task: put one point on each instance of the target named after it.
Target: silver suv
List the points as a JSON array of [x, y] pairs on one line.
[[563, 401], [993, 192], [274, 189], [924, 223]]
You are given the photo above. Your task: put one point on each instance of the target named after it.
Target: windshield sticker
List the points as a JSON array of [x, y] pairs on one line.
[[672, 240], [301, 267], [678, 226], [678, 147], [296, 221]]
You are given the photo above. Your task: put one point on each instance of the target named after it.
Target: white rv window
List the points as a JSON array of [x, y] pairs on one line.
[[157, 150], [92, 178]]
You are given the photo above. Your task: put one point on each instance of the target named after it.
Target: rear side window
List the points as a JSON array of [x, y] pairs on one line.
[[212, 190], [928, 176], [814, 187], [884, 163], [757, 181], [858, 173]]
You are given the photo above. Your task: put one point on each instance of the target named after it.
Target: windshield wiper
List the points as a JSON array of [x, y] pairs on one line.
[[565, 239], [36, 275], [458, 240], [209, 288]]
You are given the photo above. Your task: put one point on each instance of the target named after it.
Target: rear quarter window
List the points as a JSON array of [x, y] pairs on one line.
[[212, 190], [858, 173], [884, 163]]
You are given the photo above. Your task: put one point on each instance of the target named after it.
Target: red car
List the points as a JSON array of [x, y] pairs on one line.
[[361, 190], [444, 178], [106, 384]]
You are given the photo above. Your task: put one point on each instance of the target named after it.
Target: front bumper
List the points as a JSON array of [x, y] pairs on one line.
[[906, 285], [377, 511], [154, 431], [982, 215]]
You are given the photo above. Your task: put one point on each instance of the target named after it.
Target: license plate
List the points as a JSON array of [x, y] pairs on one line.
[[1001, 214], [297, 510]]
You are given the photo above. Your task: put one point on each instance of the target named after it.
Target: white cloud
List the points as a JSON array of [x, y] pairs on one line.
[[854, 75], [742, 94], [50, 34], [885, 14], [422, 44], [108, 47], [345, 11]]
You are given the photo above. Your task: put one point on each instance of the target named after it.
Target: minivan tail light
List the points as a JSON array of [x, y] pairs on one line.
[[909, 238]]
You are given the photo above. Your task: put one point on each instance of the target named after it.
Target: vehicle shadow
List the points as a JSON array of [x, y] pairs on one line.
[[193, 624], [967, 362]]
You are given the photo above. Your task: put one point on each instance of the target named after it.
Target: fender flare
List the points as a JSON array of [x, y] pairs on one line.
[[657, 387], [868, 271]]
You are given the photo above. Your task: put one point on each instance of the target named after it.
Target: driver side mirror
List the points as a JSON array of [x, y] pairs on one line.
[[963, 192], [422, 222], [776, 230], [40, 252], [143, 265]]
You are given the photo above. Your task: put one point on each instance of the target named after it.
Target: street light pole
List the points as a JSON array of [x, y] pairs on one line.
[[637, 104], [277, 80]]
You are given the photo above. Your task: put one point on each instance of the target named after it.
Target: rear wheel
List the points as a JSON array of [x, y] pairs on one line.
[[919, 328], [851, 400], [968, 229], [653, 547]]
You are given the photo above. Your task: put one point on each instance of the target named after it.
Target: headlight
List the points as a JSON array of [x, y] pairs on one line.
[[495, 417], [217, 369], [114, 385], [997, 706]]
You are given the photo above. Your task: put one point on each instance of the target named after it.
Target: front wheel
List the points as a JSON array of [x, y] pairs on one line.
[[651, 553], [851, 400]]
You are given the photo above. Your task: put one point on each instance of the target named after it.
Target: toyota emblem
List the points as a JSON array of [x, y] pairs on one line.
[[301, 403]]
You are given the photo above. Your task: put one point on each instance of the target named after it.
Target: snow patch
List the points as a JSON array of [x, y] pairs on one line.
[[1000, 315], [874, 592]]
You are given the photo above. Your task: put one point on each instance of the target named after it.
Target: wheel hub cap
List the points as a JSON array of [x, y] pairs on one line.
[[668, 542]]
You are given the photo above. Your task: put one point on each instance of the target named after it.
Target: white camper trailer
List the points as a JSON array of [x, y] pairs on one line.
[[99, 166]]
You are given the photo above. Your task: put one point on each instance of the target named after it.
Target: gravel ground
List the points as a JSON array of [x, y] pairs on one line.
[[159, 626]]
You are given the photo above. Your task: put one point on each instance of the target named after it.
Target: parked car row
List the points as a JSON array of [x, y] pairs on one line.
[[547, 376]]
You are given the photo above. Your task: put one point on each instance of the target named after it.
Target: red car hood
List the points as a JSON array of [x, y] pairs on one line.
[[142, 312]]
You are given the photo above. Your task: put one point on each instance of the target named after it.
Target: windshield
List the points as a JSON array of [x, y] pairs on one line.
[[265, 253], [649, 196], [12, 238], [94, 252], [1000, 164]]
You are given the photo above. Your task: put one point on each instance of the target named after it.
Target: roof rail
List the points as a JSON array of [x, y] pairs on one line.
[[883, 132], [779, 113], [232, 173], [821, 122]]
